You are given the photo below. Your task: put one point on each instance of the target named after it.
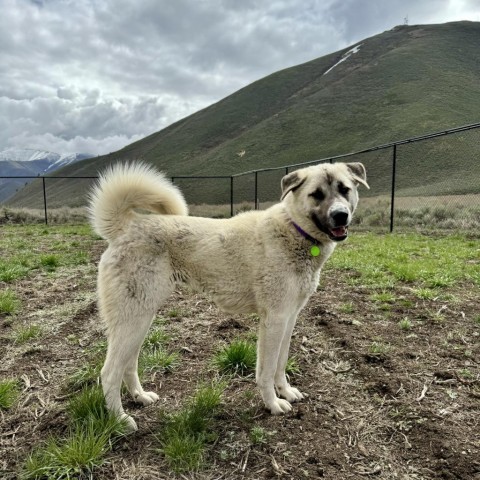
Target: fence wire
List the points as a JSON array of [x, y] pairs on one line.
[[428, 182]]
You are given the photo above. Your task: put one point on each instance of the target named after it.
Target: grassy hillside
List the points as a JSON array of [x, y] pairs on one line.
[[404, 82]]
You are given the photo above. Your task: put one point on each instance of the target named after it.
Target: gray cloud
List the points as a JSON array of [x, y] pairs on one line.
[[94, 75]]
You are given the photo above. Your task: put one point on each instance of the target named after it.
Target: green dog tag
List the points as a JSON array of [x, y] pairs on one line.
[[315, 251]]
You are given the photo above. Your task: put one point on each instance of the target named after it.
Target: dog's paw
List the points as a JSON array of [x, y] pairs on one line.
[[291, 394], [129, 423], [279, 407], [146, 398]]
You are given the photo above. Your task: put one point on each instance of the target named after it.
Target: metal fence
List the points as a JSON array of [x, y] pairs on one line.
[[429, 181]]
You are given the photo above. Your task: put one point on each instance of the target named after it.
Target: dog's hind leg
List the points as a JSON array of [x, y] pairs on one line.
[[130, 377], [128, 312], [124, 342]]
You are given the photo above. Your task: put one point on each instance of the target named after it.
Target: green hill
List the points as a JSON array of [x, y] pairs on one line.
[[405, 82]]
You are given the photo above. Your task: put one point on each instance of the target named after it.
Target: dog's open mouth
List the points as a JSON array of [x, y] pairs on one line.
[[338, 233]]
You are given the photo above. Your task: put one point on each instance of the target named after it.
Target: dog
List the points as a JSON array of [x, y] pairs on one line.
[[265, 262]]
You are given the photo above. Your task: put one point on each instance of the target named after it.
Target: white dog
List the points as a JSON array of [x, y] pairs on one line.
[[265, 262]]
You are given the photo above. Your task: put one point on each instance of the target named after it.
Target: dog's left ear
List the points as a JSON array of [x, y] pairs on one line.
[[291, 182], [358, 172]]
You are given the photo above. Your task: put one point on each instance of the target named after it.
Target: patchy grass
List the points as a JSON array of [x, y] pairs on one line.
[[26, 333], [405, 324], [41, 248], [239, 357], [87, 409], [50, 261], [258, 435], [89, 373], [425, 293], [9, 393], [292, 367], [386, 347], [9, 302], [379, 262], [157, 360], [188, 431], [378, 348], [154, 355], [90, 437], [75, 456]]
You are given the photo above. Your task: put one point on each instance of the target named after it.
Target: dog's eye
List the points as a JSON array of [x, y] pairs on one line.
[[318, 194], [343, 189]]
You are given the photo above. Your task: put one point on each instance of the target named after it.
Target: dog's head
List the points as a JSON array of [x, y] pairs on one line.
[[321, 199]]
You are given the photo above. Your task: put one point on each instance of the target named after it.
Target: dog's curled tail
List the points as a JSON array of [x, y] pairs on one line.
[[122, 188]]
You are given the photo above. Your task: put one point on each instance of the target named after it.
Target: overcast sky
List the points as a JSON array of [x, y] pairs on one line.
[[95, 75]]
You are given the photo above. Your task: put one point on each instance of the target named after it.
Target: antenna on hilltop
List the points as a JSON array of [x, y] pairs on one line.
[[405, 20]]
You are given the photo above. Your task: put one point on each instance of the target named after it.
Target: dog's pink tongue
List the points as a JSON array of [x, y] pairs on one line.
[[339, 232]]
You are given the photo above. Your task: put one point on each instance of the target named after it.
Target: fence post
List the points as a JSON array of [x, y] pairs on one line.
[[231, 196], [45, 200], [392, 201], [256, 190]]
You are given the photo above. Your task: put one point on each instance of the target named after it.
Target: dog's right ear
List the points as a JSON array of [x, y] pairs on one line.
[[291, 182]]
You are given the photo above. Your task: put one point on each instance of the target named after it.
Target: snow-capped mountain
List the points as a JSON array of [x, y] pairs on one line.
[[26, 162], [26, 155], [55, 160]]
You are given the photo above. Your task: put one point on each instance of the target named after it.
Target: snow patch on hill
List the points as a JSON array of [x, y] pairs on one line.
[[345, 56]]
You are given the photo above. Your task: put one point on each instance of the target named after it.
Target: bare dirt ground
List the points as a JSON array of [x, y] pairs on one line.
[[407, 407]]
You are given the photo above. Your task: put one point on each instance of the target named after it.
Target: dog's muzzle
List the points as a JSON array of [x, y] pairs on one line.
[[336, 226]]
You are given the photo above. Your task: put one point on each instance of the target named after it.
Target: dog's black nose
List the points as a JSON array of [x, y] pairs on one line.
[[340, 218]]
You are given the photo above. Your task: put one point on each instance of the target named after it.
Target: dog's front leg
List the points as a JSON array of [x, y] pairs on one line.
[[270, 336], [284, 389]]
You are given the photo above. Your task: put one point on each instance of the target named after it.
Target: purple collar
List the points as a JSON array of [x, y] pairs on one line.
[[304, 234]]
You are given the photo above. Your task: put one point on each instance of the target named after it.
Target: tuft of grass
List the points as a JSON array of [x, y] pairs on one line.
[[173, 313], [9, 393], [73, 457], [466, 373], [187, 432], [79, 257], [405, 324], [425, 293], [9, 303], [88, 408], [155, 355], [24, 334], [238, 358], [50, 261], [438, 317], [292, 367], [9, 273], [258, 435], [378, 349], [199, 411], [157, 359], [347, 307], [156, 339], [92, 431], [383, 297], [184, 453], [89, 374]]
